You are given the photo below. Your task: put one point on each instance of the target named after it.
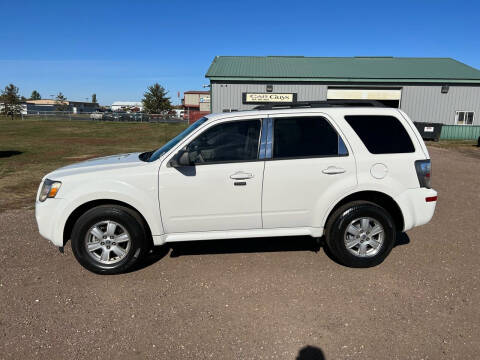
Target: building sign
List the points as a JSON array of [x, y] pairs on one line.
[[258, 98], [205, 99]]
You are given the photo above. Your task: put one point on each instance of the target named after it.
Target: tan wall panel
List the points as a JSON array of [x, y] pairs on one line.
[[205, 106], [192, 99]]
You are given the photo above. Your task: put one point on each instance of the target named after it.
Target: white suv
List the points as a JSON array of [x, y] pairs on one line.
[[356, 175]]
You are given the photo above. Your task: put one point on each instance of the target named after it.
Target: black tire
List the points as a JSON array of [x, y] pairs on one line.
[[123, 216], [337, 225]]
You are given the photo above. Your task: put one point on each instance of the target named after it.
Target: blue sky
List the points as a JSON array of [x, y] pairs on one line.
[[117, 48]]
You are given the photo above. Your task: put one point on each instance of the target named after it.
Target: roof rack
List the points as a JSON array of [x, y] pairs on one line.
[[321, 104]]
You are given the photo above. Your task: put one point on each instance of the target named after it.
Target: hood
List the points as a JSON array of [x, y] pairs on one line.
[[112, 162]]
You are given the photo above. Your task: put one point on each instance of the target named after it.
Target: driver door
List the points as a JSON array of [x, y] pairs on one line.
[[222, 190]]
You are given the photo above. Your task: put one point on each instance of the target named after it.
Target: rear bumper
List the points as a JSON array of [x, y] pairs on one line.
[[415, 208]]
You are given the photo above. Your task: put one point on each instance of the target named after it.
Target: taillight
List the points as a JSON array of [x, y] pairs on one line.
[[424, 168]]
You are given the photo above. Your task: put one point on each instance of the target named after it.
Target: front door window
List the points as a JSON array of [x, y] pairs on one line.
[[233, 141]]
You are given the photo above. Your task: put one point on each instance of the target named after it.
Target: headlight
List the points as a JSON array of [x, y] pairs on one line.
[[49, 189]]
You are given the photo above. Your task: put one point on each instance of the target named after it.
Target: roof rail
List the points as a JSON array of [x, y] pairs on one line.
[[321, 104]]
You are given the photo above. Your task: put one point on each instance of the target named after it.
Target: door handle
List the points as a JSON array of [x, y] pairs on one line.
[[240, 175], [332, 170]]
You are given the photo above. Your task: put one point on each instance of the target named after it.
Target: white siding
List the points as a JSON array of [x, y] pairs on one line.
[[428, 104], [423, 103], [229, 96]]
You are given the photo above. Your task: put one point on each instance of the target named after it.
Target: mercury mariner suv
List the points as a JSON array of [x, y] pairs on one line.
[[355, 174]]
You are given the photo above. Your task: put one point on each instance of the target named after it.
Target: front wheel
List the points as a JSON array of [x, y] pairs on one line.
[[360, 234], [108, 239]]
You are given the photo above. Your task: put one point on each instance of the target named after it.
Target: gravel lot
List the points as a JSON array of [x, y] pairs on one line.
[[255, 299]]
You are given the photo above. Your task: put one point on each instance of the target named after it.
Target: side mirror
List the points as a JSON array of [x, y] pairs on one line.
[[181, 159]]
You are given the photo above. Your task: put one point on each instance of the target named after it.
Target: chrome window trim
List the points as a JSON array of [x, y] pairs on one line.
[[266, 140], [269, 149], [263, 140]]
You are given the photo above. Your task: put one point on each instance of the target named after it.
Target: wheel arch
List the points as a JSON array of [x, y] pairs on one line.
[[377, 197], [80, 210]]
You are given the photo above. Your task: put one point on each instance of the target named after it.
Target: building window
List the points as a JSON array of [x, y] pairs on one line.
[[464, 117]]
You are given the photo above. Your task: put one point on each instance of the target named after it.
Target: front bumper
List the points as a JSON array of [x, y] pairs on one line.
[[47, 214], [416, 210]]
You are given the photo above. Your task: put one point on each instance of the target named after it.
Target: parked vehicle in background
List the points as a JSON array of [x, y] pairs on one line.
[[179, 113], [96, 116], [354, 174]]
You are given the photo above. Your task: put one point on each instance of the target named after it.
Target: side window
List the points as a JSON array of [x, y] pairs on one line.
[[306, 137], [230, 141], [381, 134]]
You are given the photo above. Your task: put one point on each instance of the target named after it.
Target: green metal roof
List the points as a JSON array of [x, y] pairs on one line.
[[340, 69]]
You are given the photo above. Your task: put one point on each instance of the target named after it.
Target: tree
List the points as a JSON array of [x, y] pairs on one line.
[[155, 100], [61, 103], [35, 95], [94, 98], [11, 101]]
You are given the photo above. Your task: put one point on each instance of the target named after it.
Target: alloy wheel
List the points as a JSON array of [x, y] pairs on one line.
[[107, 242], [364, 237]]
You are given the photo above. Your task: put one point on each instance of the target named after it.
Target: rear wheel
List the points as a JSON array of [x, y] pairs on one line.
[[108, 239], [360, 234]]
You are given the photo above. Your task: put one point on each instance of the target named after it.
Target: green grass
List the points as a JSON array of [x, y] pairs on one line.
[[452, 143], [38, 147]]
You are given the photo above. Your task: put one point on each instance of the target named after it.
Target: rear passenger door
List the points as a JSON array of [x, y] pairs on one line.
[[310, 165]]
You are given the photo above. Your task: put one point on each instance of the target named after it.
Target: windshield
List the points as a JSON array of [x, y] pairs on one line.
[[159, 152]]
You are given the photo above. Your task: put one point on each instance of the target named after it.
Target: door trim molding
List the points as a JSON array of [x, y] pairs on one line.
[[238, 234]]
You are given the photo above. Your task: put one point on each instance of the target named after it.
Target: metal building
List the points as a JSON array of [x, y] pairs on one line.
[[439, 90], [75, 107]]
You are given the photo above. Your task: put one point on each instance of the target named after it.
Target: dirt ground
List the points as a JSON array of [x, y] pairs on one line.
[[277, 298]]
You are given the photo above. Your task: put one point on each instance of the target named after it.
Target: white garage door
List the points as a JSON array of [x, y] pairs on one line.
[[364, 94]]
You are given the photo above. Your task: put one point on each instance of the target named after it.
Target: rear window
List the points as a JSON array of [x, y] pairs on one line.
[[381, 134]]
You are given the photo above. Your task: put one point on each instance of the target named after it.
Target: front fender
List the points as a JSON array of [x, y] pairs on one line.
[[143, 199]]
